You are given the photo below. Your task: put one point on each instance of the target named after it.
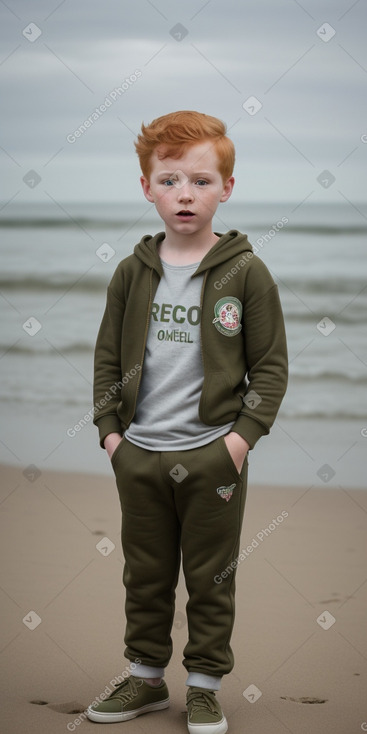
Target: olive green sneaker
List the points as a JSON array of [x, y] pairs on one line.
[[131, 698], [204, 715]]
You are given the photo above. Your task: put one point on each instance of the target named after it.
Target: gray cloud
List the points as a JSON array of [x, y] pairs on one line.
[[312, 92]]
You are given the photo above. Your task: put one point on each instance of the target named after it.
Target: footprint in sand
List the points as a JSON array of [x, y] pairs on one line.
[[39, 702], [72, 707], [304, 699]]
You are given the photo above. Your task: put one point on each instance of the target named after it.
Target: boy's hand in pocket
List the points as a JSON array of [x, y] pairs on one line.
[[238, 448], [111, 443]]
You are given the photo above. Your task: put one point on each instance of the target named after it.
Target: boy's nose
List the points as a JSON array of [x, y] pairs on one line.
[[185, 193]]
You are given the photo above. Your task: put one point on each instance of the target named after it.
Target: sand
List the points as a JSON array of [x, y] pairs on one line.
[[300, 636]]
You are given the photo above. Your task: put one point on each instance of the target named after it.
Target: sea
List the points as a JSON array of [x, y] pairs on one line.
[[56, 262]]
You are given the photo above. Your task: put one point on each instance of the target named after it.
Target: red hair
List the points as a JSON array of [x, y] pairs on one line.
[[172, 134]]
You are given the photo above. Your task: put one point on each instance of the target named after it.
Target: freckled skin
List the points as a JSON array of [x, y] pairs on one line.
[[189, 183]]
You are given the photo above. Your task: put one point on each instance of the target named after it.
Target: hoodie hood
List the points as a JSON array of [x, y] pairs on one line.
[[233, 243]]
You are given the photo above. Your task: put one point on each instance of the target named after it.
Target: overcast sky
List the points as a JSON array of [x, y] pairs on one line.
[[305, 63]]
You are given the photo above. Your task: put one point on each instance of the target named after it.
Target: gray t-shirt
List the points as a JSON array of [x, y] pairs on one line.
[[167, 417]]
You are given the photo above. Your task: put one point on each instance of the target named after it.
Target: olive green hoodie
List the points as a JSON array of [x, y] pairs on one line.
[[243, 342]]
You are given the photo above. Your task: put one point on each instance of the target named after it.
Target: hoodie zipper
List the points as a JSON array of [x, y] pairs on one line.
[[201, 318], [144, 345]]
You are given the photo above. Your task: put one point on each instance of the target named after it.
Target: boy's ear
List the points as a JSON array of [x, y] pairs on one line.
[[227, 189], [145, 184]]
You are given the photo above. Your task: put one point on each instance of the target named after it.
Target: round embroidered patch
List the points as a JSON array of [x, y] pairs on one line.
[[228, 313]]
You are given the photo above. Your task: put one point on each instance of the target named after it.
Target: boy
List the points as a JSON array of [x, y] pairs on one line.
[[190, 370]]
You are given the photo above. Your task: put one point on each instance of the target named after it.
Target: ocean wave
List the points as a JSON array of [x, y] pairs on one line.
[[307, 376], [56, 402], [66, 223], [353, 285], [313, 414], [81, 406], [352, 317], [116, 222], [85, 282], [42, 347], [318, 375], [54, 282], [325, 229]]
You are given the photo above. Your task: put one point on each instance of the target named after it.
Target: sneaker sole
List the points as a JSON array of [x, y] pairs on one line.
[[102, 717], [220, 728]]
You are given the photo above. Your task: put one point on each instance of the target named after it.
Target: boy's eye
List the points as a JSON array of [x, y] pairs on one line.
[[172, 182]]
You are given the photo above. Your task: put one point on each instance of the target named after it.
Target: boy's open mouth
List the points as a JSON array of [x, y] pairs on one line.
[[185, 214]]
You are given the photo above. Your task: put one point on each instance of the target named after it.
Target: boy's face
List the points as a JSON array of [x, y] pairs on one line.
[[186, 191]]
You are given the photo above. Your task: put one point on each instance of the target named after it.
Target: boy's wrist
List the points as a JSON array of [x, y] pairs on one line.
[[237, 447], [250, 428], [107, 424], [111, 442], [238, 442]]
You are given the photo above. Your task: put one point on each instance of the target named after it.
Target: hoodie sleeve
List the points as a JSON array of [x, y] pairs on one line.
[[107, 368], [266, 356]]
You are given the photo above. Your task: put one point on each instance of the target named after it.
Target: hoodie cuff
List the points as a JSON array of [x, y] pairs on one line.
[[249, 429], [108, 424]]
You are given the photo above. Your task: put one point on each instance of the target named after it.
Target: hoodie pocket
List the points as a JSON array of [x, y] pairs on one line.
[[116, 452]]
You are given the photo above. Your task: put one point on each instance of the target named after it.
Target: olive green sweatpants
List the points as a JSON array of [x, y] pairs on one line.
[[180, 501]]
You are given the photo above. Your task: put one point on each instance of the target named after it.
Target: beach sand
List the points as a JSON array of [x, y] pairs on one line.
[[308, 566]]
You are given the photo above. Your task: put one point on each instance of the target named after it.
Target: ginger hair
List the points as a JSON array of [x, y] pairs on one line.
[[170, 135]]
